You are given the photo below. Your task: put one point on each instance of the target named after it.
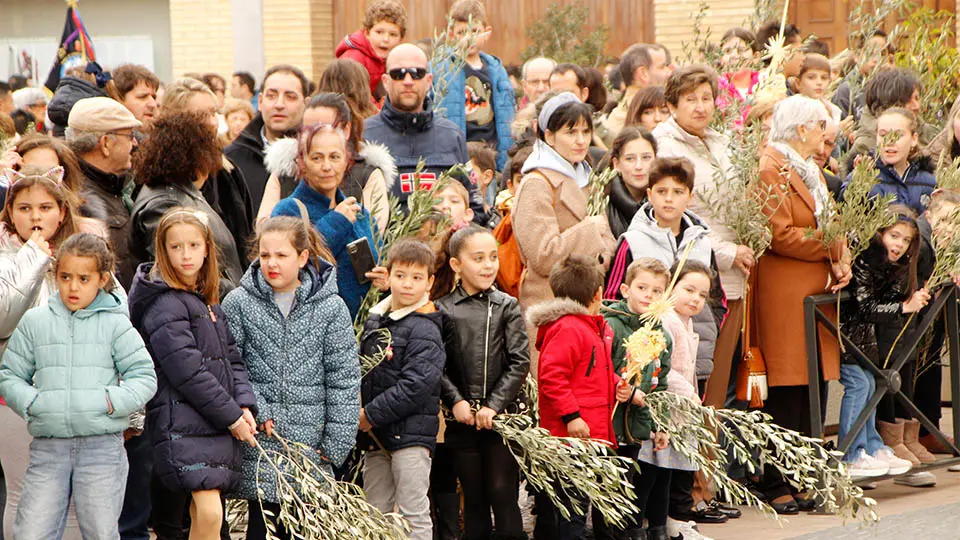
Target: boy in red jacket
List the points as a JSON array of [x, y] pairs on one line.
[[576, 380], [384, 26]]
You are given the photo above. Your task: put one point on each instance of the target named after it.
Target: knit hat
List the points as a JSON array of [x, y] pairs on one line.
[[100, 114]]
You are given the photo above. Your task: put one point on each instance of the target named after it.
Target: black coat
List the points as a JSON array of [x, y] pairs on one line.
[[69, 91], [247, 153], [622, 207], [874, 316], [202, 383], [412, 137], [401, 396], [102, 195], [488, 353], [226, 192]]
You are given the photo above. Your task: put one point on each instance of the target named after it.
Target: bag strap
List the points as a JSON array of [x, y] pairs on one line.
[[304, 214]]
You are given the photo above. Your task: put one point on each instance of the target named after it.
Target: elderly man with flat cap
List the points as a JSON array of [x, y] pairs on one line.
[[100, 132]]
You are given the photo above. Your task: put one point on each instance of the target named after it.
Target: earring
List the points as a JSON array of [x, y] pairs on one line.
[[803, 139]]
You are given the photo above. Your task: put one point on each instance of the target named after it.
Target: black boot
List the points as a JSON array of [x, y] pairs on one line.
[[657, 533], [635, 534]]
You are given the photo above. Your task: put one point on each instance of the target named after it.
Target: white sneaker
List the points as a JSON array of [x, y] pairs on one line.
[[868, 486], [954, 468], [920, 479], [867, 466], [688, 531], [896, 465]]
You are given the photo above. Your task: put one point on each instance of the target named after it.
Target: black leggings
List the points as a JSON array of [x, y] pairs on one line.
[[257, 528], [490, 479], [681, 492], [653, 493]]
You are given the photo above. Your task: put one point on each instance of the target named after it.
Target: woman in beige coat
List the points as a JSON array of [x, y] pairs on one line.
[[550, 218]]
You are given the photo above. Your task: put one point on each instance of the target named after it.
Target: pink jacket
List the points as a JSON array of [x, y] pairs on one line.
[[682, 378]]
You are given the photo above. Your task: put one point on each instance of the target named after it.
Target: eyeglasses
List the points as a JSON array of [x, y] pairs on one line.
[[118, 134], [399, 74]]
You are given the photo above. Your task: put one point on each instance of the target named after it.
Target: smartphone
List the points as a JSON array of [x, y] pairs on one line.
[[361, 257]]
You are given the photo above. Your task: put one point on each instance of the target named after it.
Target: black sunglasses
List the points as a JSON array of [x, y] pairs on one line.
[[398, 74]]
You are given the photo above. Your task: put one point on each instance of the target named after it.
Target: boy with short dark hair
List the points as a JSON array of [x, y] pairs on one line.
[[479, 98], [575, 375], [401, 396]]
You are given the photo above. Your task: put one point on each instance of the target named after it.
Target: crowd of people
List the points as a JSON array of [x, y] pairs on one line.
[[134, 209]]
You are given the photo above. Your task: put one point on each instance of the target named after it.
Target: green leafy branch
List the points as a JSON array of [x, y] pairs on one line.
[[315, 506], [695, 432], [598, 190]]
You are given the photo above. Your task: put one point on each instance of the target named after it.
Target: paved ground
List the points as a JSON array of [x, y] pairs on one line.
[[941, 522]]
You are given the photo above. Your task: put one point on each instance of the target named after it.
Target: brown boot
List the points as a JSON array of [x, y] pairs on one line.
[[911, 436], [932, 444], [892, 435]]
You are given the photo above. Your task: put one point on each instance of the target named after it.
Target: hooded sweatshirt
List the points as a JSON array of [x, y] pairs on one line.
[[545, 157]]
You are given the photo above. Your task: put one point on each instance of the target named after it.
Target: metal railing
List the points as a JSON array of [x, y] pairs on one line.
[[888, 379]]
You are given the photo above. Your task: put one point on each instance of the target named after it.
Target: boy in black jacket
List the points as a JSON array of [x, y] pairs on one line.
[[401, 396]]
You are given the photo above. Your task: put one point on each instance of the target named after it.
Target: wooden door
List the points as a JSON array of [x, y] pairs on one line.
[[827, 19]]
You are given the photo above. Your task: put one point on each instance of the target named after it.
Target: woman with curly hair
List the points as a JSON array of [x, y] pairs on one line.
[[173, 165], [225, 191]]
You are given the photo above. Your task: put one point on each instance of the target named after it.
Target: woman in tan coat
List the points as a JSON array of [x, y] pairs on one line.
[[549, 216], [797, 265]]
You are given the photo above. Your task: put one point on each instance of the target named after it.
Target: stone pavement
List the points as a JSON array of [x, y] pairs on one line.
[[905, 513]]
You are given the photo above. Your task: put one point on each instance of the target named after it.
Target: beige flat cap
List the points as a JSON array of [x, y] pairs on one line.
[[101, 114]]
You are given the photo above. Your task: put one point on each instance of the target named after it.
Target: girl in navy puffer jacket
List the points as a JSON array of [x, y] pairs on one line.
[[903, 172], [204, 399], [296, 337]]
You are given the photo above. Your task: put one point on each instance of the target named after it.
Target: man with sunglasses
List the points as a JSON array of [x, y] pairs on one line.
[[408, 127]]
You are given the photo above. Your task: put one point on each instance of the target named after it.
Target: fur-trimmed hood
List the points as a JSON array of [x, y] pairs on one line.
[[550, 311], [280, 159]]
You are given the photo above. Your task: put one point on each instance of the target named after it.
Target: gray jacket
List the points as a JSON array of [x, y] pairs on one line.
[[23, 281]]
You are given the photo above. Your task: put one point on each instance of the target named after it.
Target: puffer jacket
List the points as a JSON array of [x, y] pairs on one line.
[[488, 354], [575, 374], [154, 201], [875, 308], [412, 137], [913, 189], [24, 281], [303, 368], [62, 370], [401, 396], [69, 91], [337, 232], [710, 157], [358, 48], [631, 423], [504, 103], [202, 384]]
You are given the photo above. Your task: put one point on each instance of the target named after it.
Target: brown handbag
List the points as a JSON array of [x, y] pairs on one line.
[[752, 373]]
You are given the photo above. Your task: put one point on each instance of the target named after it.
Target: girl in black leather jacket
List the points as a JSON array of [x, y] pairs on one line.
[[885, 293], [487, 364]]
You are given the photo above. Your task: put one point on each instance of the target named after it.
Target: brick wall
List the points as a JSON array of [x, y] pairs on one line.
[[202, 36]]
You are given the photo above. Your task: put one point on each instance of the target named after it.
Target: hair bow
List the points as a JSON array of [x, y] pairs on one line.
[[103, 77]]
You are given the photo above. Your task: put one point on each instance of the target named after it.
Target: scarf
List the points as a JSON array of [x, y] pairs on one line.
[[809, 172]]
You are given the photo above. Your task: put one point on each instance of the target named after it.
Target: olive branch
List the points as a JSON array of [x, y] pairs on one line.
[[695, 432], [599, 195], [314, 505]]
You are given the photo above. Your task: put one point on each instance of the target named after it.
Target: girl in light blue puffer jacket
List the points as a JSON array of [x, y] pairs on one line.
[[75, 369]]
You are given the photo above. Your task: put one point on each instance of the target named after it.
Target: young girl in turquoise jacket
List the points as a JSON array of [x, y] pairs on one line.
[[75, 369]]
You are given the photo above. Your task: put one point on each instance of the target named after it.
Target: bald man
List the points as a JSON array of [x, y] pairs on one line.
[[408, 127], [536, 78]]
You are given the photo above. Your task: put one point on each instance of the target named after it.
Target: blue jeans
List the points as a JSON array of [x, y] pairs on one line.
[[858, 387], [91, 470]]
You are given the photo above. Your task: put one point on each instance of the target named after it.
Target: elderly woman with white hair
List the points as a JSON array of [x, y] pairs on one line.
[[797, 265], [33, 101]]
